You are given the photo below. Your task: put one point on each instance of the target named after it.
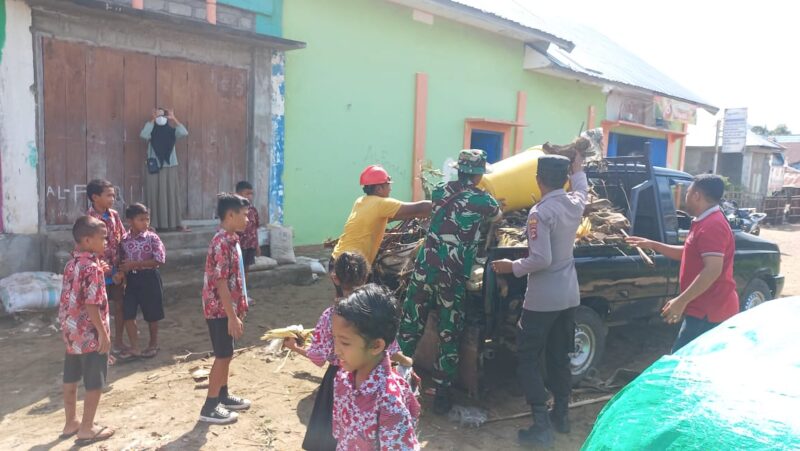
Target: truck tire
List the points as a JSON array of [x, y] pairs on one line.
[[757, 292], [590, 342]]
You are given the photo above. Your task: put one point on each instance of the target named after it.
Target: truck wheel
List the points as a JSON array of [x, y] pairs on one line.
[[590, 342], [757, 292]]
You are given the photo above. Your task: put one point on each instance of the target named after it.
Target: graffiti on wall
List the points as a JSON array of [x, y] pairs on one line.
[[75, 196]]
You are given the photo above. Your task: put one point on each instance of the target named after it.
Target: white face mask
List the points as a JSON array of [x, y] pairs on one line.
[[161, 120]]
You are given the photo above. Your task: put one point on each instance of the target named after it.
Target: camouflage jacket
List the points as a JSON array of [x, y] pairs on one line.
[[459, 212]]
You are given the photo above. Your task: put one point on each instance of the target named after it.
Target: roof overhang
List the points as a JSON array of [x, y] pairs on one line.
[[536, 60], [480, 19], [98, 7]]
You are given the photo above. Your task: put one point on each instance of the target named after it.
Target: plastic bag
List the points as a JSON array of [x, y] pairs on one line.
[[735, 387], [468, 416], [280, 242], [27, 291]]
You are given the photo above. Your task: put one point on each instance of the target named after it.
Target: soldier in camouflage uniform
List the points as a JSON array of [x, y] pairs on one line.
[[443, 265]]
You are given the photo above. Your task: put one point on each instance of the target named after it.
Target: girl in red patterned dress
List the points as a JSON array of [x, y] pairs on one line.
[[350, 272], [374, 407]]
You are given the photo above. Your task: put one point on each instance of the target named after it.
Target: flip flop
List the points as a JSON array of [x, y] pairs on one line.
[[99, 437], [126, 356], [149, 353], [64, 436]]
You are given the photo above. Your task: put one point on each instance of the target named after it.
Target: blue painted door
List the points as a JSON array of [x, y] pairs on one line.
[[490, 142]]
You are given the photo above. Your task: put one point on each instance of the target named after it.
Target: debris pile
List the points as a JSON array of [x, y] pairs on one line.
[[602, 224]]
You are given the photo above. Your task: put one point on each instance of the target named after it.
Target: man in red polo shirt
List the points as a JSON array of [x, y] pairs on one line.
[[708, 291]]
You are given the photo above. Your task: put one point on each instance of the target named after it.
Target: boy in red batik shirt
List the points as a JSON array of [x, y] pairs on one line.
[[224, 307], [373, 406], [102, 194], [83, 314], [248, 239]]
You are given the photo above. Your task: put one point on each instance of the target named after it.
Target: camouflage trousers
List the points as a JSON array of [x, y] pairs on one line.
[[444, 291]]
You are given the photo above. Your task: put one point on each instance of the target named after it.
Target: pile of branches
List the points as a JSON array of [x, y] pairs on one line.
[[603, 224], [608, 224], [398, 251]]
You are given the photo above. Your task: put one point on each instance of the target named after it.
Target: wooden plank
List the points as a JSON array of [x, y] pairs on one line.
[[181, 104], [224, 126], [105, 127], [213, 168], [54, 91], [140, 100], [238, 112], [196, 141], [74, 70]]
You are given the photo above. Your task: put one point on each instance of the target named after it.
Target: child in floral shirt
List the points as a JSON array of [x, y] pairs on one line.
[[142, 254], [83, 313], [224, 307], [350, 271], [373, 406], [249, 238], [102, 195]]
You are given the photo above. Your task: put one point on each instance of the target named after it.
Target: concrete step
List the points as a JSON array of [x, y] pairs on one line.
[[189, 284]]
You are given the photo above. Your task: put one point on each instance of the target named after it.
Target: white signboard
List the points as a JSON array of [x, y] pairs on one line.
[[734, 130]]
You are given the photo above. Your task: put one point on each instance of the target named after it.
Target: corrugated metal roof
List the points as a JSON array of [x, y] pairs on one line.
[[513, 11], [594, 56]]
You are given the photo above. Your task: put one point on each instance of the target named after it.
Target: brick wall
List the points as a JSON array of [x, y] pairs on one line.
[[196, 10]]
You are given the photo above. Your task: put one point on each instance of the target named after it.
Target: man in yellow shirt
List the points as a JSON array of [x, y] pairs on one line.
[[366, 225]]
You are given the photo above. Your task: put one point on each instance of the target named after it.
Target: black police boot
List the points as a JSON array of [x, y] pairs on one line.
[[442, 403], [559, 416], [540, 435]]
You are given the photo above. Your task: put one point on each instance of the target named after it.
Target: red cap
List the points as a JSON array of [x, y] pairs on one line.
[[374, 175]]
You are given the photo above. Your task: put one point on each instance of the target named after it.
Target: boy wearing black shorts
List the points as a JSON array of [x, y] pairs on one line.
[[224, 307], [83, 314], [142, 254]]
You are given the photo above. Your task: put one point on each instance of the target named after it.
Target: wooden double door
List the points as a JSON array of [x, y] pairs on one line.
[[96, 101]]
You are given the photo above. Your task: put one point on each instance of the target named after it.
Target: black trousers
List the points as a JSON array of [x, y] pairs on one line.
[[544, 341]]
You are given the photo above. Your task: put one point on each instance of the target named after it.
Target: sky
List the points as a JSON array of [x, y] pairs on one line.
[[732, 54]]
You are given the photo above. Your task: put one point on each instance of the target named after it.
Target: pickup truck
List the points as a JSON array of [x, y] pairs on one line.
[[617, 287]]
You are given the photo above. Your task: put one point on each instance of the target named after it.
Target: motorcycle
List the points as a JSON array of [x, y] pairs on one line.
[[746, 219]]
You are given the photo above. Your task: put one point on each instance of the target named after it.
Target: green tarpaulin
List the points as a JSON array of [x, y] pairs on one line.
[[736, 387]]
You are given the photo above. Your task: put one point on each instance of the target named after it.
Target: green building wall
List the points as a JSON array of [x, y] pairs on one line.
[[350, 100]]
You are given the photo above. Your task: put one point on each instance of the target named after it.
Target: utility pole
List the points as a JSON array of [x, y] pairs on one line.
[[716, 146]]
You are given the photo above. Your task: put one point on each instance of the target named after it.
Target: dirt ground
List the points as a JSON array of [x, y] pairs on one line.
[[154, 404]]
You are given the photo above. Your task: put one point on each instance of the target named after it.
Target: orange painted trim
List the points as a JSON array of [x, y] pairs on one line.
[[137, 4], [420, 130], [496, 122], [211, 11], [493, 126], [522, 104], [683, 146], [590, 120], [670, 149]]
